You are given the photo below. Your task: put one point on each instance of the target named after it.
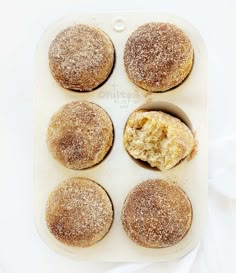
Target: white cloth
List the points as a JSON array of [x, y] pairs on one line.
[[222, 166]]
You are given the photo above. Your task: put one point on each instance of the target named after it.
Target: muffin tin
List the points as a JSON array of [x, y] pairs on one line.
[[118, 173]]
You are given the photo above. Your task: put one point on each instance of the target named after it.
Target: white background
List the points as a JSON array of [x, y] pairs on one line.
[[21, 25]]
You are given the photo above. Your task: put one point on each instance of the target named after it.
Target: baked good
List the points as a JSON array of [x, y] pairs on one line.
[[80, 134], [157, 138], [79, 212], [158, 56], [156, 214], [81, 57]]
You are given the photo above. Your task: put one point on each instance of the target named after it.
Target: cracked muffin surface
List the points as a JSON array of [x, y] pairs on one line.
[[158, 138]]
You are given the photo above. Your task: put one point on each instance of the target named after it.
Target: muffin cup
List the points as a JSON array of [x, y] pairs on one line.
[[118, 173], [173, 110]]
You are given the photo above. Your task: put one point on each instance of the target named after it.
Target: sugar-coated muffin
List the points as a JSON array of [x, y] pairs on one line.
[[79, 212], [158, 138], [156, 214], [81, 57], [80, 134], [158, 56]]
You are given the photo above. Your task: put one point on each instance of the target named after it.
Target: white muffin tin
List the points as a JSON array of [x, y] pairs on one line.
[[118, 173]]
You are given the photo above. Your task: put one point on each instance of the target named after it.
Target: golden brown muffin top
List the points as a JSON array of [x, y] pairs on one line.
[[156, 214], [79, 212], [81, 57], [158, 56], [80, 134]]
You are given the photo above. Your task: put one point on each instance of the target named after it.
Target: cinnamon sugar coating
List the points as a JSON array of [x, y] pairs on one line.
[[80, 134], [156, 214], [158, 56], [81, 57], [79, 212]]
